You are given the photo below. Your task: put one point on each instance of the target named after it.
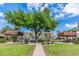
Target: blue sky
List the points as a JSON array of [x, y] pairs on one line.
[[66, 14]]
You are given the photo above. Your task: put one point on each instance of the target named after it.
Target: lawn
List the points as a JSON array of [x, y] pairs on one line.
[[16, 49], [62, 50]]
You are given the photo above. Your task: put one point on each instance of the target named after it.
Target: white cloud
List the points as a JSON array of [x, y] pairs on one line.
[[1, 14], [36, 6], [72, 9], [71, 25], [32, 5], [59, 16], [1, 4], [70, 16], [46, 5], [61, 5]]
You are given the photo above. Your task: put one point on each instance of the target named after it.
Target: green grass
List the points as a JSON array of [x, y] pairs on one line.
[[62, 50], [16, 49]]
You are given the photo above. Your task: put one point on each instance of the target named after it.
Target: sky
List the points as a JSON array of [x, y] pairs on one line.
[[66, 14]]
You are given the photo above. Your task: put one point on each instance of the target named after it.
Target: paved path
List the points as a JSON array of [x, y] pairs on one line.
[[39, 51]]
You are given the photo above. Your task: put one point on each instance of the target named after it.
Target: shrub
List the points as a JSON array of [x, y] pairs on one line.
[[77, 41], [41, 40], [14, 38], [2, 40]]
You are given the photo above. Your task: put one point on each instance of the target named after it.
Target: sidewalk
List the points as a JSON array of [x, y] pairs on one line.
[[39, 51]]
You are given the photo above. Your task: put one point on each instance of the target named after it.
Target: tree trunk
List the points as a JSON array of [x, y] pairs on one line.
[[65, 39], [37, 34], [36, 38]]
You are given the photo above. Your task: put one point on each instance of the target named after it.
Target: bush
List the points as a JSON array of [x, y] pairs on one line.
[[33, 41], [77, 41], [2, 40], [14, 38], [41, 40]]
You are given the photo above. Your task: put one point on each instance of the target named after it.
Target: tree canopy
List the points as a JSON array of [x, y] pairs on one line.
[[15, 18]]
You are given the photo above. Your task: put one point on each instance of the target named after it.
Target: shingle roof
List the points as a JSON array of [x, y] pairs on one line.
[[67, 34], [10, 32]]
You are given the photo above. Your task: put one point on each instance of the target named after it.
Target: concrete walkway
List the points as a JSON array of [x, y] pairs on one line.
[[39, 51]]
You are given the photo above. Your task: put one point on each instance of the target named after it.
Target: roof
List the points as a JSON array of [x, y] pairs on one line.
[[1, 35], [67, 34], [10, 32]]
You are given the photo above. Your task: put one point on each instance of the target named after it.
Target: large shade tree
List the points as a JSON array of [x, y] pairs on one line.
[[38, 21]]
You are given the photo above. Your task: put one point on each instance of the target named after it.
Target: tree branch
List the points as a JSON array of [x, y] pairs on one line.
[[39, 33]]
